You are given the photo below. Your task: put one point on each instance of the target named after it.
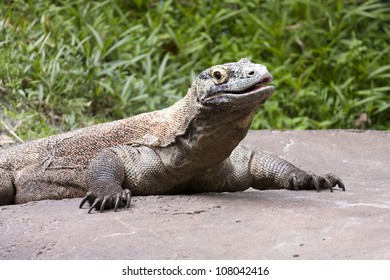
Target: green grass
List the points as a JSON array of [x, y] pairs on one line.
[[69, 64]]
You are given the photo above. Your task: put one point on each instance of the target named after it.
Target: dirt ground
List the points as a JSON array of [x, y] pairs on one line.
[[278, 224]]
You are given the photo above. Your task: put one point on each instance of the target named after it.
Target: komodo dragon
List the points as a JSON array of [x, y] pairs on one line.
[[192, 146]]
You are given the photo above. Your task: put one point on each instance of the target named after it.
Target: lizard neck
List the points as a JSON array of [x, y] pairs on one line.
[[211, 135]]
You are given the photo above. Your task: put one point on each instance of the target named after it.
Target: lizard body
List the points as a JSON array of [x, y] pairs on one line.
[[192, 146]]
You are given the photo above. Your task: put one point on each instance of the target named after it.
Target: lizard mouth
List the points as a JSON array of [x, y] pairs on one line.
[[258, 88], [261, 88], [262, 85]]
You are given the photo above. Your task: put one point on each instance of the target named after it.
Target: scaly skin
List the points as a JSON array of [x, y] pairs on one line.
[[192, 146]]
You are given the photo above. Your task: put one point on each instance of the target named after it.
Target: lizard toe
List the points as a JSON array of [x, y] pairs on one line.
[[104, 203], [87, 197], [95, 204], [314, 182], [328, 181], [334, 181], [117, 202], [107, 202], [307, 181], [128, 195], [293, 184]]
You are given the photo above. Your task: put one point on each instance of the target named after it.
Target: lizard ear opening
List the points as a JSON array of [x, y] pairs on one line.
[[219, 75]]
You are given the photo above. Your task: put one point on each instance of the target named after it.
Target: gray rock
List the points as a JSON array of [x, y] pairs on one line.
[[278, 224]]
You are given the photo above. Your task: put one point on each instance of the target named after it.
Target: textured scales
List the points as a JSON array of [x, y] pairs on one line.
[[192, 146]]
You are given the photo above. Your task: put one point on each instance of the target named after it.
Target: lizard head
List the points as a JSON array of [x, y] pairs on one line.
[[234, 84]]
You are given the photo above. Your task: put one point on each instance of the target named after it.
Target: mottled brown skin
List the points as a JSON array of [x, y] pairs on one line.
[[192, 146]]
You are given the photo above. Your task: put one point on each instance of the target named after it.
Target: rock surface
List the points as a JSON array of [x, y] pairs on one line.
[[253, 224]]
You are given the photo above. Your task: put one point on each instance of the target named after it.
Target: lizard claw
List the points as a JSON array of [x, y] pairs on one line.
[[85, 199], [112, 201], [94, 205], [334, 180], [293, 183], [128, 197], [328, 185], [305, 181], [104, 203], [117, 202], [314, 182]]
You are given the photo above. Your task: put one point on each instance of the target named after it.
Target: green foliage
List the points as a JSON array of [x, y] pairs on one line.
[[68, 64]]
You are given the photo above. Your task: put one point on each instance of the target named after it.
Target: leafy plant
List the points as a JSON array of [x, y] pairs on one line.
[[68, 64]]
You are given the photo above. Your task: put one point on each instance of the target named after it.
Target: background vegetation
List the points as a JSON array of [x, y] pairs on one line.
[[69, 64]]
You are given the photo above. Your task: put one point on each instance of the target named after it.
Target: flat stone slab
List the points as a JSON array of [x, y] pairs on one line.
[[277, 224]]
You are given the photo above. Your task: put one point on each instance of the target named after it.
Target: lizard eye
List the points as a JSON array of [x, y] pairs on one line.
[[219, 75]]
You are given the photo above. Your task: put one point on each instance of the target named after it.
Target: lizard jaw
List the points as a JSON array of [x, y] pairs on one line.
[[261, 91], [254, 95], [261, 88], [254, 88]]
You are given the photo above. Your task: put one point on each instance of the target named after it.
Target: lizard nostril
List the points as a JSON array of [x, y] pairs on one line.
[[266, 80], [251, 73]]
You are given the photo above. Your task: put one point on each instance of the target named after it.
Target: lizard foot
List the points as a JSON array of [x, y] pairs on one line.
[[106, 202], [306, 181]]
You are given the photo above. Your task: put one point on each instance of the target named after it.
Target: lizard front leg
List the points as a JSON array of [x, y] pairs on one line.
[[119, 172], [245, 168], [104, 178], [271, 172]]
